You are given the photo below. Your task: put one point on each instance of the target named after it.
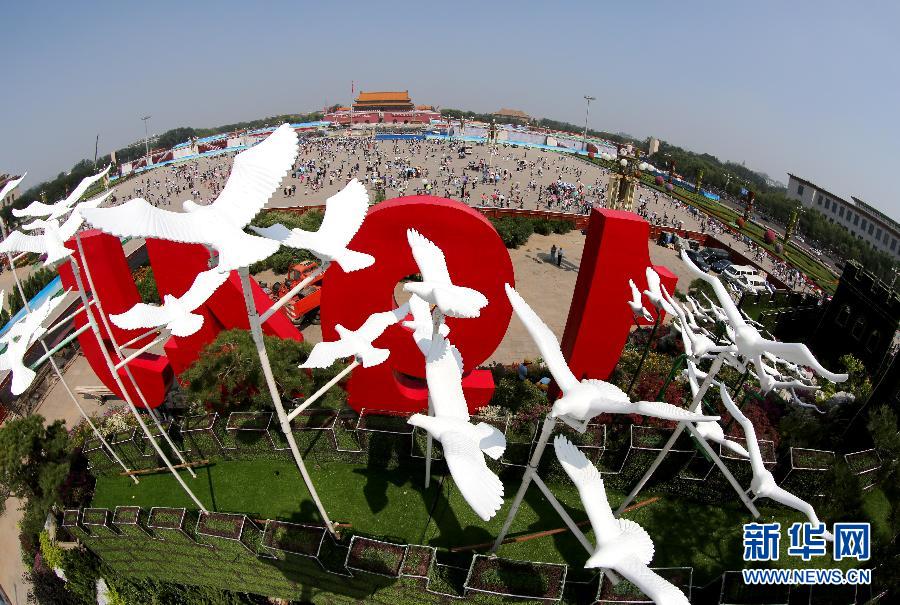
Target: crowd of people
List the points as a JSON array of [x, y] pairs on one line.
[[478, 175]]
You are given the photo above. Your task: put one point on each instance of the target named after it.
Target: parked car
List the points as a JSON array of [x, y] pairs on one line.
[[720, 265], [711, 255], [698, 260], [736, 272], [750, 284]]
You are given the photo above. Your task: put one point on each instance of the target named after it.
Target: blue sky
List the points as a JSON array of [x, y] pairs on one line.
[[807, 87]]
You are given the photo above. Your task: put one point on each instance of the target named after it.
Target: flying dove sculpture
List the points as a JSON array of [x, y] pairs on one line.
[[763, 483], [10, 185], [344, 214], [587, 398], [357, 343], [18, 340], [636, 304], [52, 240], [436, 286], [60, 208], [622, 545], [751, 345], [464, 444], [701, 344], [711, 431], [422, 323], [654, 291], [175, 313], [255, 175]]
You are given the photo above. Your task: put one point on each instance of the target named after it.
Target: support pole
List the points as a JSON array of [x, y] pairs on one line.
[[65, 341], [546, 431], [118, 350], [49, 355], [290, 294], [76, 272], [637, 371], [718, 461], [695, 405], [436, 320], [256, 333], [315, 396]]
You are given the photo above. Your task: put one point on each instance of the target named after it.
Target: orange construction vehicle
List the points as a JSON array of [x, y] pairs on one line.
[[306, 302]]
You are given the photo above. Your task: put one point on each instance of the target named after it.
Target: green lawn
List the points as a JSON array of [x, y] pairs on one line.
[[392, 504]]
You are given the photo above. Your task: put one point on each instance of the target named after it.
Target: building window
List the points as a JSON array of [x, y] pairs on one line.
[[799, 189], [827, 204], [872, 341], [893, 244], [858, 328], [878, 234], [863, 226], [855, 219], [871, 228], [820, 199], [841, 212], [834, 208], [843, 316]]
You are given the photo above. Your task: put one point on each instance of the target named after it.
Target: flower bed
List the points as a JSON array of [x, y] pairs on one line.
[[72, 522], [281, 537], [382, 423], [333, 557], [387, 438], [129, 521], [97, 522], [522, 579], [626, 592], [811, 460], [447, 580], [345, 436], [375, 556], [735, 592], [200, 435], [169, 524], [654, 438], [863, 462], [227, 531], [419, 445], [146, 448], [99, 460], [125, 444], [248, 432], [417, 562]]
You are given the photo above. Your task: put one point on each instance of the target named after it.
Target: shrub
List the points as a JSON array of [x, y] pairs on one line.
[[659, 180], [670, 187], [52, 553], [146, 285], [779, 248], [741, 222], [770, 237]]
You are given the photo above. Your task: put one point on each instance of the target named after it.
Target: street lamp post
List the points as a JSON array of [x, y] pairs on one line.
[[587, 110], [147, 137]]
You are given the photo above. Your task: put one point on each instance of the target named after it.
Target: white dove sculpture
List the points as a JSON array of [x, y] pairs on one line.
[[701, 344], [18, 340], [357, 343], [654, 292], [464, 444], [711, 431], [175, 313], [52, 241], [636, 304], [763, 483], [60, 208], [422, 323], [436, 286], [587, 398], [9, 186], [344, 214], [255, 175], [622, 545], [751, 345]]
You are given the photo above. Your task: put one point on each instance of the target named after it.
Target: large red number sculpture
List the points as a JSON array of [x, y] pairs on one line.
[[599, 318], [476, 257]]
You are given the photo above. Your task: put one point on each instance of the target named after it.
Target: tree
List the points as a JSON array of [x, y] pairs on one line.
[[227, 375], [34, 459]]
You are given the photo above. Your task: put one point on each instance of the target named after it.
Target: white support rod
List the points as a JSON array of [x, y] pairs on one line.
[[573, 527], [48, 353], [140, 337], [290, 294], [315, 396], [429, 446], [125, 395], [695, 405], [56, 369], [546, 431], [140, 351], [128, 373], [256, 333], [18, 257], [61, 322], [718, 461]]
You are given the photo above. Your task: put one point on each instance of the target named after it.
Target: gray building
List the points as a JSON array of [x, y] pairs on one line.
[[859, 218]]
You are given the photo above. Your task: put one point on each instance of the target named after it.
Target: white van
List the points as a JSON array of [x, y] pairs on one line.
[[751, 284], [736, 272]]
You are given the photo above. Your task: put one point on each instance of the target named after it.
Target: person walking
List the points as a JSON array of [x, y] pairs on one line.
[[553, 253], [559, 256]]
